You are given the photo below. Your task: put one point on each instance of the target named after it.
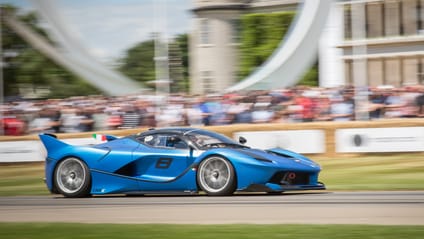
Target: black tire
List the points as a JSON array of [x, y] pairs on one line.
[[72, 178], [216, 176]]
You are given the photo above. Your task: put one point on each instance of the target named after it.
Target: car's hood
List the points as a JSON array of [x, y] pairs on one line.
[[281, 157]]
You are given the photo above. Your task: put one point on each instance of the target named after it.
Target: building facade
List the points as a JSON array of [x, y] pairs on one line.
[[386, 36], [391, 39], [214, 40]]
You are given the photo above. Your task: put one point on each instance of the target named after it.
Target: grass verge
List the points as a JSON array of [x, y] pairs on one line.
[[381, 172], [163, 231], [22, 179]]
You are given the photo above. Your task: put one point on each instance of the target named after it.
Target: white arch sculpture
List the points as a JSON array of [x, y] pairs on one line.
[[296, 53], [71, 54]]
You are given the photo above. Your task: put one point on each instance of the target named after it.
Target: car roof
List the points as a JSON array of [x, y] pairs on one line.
[[178, 130]]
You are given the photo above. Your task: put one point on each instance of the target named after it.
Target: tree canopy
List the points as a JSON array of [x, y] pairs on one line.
[[139, 63], [261, 33], [24, 68]]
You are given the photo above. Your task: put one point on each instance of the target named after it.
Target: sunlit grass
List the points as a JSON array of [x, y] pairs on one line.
[[22, 179], [104, 231], [387, 172]]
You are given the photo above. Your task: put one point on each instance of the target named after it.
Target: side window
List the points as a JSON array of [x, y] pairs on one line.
[[155, 140], [176, 142], [148, 140], [163, 141], [204, 31]]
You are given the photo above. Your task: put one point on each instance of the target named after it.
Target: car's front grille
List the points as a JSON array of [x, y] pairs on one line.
[[290, 178]]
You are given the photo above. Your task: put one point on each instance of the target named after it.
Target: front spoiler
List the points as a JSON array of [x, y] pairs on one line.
[[272, 187]]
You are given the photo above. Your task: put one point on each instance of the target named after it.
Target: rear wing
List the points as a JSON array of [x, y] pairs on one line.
[[51, 142]]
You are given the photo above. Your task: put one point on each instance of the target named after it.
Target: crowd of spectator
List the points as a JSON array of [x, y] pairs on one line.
[[298, 104]]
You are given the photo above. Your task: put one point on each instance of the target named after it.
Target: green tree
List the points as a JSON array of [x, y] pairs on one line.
[[38, 71], [261, 34], [12, 46], [26, 67], [139, 63], [310, 78]]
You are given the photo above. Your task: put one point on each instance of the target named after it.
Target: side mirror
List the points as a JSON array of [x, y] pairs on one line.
[[242, 140]]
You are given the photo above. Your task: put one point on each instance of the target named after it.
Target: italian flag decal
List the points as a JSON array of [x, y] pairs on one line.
[[100, 137]]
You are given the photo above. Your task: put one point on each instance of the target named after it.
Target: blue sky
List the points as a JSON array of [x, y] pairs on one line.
[[108, 27]]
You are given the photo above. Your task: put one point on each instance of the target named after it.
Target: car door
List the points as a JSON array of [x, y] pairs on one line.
[[168, 157]]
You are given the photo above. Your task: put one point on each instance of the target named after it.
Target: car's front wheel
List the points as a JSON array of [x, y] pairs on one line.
[[72, 178], [216, 176]]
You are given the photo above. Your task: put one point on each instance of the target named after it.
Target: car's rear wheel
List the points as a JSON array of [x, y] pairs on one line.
[[216, 176], [72, 178]]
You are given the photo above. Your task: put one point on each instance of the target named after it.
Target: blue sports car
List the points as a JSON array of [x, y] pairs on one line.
[[174, 160]]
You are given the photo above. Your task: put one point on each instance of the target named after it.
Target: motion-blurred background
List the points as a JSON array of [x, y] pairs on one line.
[[78, 66]]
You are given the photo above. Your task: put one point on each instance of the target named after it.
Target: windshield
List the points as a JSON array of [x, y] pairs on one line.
[[204, 139]]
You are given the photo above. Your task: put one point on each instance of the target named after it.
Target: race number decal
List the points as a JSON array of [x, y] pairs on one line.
[[164, 163]]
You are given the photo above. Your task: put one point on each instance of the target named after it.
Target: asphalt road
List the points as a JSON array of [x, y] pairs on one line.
[[384, 208]]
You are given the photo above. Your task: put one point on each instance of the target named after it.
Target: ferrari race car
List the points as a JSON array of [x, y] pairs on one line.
[[173, 160]]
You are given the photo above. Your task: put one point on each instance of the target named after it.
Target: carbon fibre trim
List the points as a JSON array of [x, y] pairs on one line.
[[144, 180]]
